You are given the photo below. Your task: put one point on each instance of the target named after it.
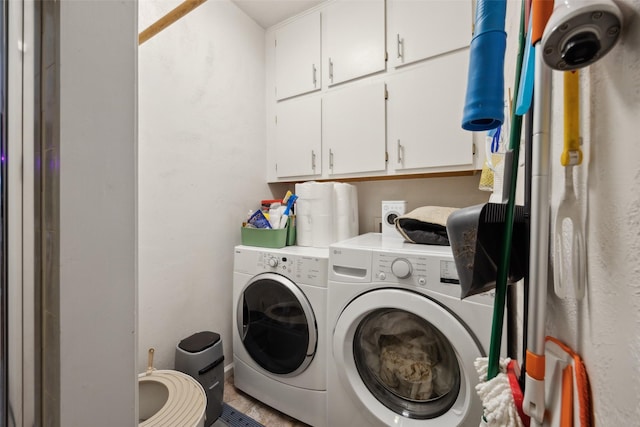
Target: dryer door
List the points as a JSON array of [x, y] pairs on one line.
[[276, 324], [405, 355]]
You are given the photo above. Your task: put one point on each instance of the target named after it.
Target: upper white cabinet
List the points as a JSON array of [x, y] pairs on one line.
[[354, 129], [420, 29], [355, 38], [298, 143], [334, 119], [297, 56], [424, 113]]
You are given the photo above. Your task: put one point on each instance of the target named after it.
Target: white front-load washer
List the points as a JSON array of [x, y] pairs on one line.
[[279, 328], [402, 344]]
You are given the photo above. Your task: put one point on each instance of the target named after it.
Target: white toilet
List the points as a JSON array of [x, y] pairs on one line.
[[170, 398]]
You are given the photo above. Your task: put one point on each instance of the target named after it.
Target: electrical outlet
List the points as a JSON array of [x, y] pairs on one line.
[[377, 224]]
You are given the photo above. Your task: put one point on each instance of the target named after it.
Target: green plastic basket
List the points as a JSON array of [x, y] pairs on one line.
[[269, 238]]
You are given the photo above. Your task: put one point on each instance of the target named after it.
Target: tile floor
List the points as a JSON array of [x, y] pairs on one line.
[[255, 409]]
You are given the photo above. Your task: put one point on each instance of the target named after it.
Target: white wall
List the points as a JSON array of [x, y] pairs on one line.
[[455, 192], [97, 112], [603, 327], [201, 168]]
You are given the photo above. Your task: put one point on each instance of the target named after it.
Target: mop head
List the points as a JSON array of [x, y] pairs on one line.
[[496, 396]]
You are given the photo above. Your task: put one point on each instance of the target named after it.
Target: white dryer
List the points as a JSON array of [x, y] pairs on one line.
[[279, 328], [402, 344]]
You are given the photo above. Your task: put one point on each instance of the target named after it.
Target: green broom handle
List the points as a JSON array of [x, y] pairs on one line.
[[505, 259]]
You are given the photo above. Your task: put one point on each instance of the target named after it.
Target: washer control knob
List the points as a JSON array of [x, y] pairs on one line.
[[273, 262], [422, 281], [401, 268], [382, 276]]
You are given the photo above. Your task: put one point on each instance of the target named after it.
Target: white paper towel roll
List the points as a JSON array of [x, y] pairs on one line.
[[304, 230], [303, 190], [326, 212], [303, 206], [322, 198], [323, 233], [304, 210], [315, 198], [343, 195], [354, 222], [346, 211]]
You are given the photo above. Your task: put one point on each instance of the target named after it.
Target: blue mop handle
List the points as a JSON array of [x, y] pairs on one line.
[[484, 103]]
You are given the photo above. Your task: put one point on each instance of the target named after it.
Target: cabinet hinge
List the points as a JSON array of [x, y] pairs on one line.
[[386, 92], [386, 156], [386, 56], [473, 148]]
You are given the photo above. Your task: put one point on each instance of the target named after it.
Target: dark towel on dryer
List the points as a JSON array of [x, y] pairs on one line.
[[425, 225]]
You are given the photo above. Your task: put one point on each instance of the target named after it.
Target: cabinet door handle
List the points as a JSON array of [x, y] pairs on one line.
[[399, 46], [314, 70], [330, 70], [330, 159], [399, 152], [313, 160]]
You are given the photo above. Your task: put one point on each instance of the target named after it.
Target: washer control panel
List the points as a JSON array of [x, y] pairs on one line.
[[377, 261], [415, 269]]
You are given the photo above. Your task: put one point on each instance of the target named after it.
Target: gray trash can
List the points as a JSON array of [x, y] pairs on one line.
[[201, 356]]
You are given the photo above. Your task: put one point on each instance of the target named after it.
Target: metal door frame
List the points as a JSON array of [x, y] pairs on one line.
[[19, 156]]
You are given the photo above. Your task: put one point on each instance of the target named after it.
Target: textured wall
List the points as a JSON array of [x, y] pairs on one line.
[[604, 326], [201, 168]]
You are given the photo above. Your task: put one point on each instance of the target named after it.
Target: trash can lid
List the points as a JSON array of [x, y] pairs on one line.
[[199, 341]]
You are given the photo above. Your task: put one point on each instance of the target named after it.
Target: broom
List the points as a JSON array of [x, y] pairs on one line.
[[494, 388]]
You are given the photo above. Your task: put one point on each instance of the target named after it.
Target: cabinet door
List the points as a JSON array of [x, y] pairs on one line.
[[420, 29], [297, 57], [298, 133], [355, 39], [354, 129], [424, 113]]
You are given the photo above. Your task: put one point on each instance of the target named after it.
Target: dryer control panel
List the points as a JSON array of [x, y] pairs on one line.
[[307, 269]]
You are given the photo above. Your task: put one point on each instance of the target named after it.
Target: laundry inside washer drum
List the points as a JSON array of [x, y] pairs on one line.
[[406, 363]]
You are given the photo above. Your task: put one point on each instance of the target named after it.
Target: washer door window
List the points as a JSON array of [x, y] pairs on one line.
[[407, 363], [400, 354], [277, 325]]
